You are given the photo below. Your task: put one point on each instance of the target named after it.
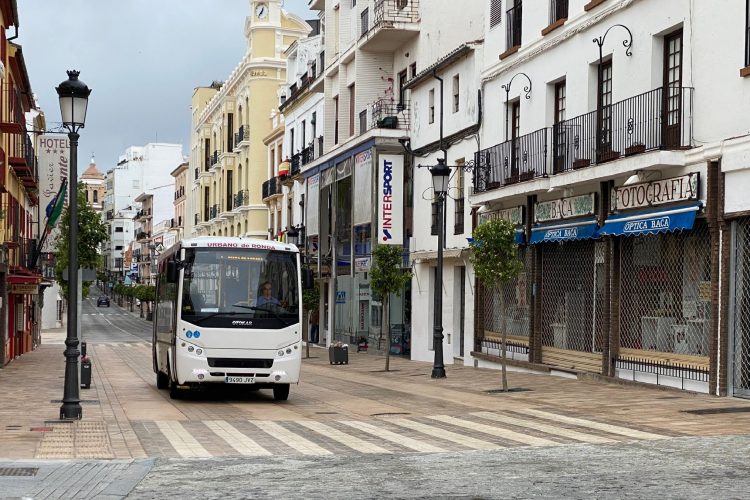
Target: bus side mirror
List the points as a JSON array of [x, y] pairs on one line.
[[173, 272], [308, 282]]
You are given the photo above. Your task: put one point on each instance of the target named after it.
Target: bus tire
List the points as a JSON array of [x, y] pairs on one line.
[[162, 380], [174, 392], [281, 392]]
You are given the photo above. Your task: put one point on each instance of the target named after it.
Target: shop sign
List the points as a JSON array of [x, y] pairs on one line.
[[647, 194], [390, 199], [514, 215], [364, 291], [53, 153], [24, 289], [565, 208], [341, 297], [362, 265]]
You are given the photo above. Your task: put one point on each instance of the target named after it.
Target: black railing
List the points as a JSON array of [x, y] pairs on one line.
[[658, 119], [213, 212], [241, 198], [239, 136], [390, 114], [364, 22], [388, 12], [196, 174], [296, 163], [271, 187], [214, 158], [142, 235], [665, 368], [520, 159], [21, 148], [513, 20], [196, 219], [308, 155], [320, 147], [12, 112], [558, 9]]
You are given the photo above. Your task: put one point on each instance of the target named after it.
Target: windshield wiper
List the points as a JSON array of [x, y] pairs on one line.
[[262, 309], [212, 315]]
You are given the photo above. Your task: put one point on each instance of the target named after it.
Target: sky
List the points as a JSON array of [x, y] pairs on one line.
[[141, 58]]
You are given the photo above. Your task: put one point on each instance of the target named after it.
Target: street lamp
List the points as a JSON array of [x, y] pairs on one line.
[[440, 176], [74, 97], [292, 236]]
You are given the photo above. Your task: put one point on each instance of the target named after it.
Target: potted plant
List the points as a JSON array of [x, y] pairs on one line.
[[635, 148], [581, 163]]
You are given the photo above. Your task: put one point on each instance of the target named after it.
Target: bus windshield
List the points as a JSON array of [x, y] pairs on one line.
[[240, 288]]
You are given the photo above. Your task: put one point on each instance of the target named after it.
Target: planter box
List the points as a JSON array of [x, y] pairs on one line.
[[635, 149], [338, 355], [527, 176], [582, 163], [606, 156], [511, 179]]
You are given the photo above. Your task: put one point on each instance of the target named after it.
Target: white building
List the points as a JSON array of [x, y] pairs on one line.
[[139, 170], [121, 229], [625, 177]]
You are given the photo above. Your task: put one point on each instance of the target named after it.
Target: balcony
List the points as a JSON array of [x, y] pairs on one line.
[[12, 119], [296, 164], [519, 159], [296, 90], [239, 138], [660, 119], [386, 113], [391, 24], [214, 159], [271, 188], [308, 155], [242, 198], [213, 211], [142, 236], [21, 158], [110, 214]]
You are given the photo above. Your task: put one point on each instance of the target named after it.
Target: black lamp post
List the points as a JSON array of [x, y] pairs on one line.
[[440, 176], [506, 88], [74, 98]]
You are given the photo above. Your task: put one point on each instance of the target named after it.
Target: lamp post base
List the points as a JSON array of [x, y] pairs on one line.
[[438, 372], [71, 411]]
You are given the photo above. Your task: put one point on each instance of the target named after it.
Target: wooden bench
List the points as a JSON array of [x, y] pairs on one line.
[[572, 360], [684, 360]]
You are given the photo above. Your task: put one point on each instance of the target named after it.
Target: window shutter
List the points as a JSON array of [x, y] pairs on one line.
[[496, 12]]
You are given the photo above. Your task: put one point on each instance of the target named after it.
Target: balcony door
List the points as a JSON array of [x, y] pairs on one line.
[[672, 93], [515, 146], [604, 146]]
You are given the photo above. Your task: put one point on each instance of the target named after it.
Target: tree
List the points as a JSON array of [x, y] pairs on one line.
[[91, 233], [310, 302], [387, 277], [495, 260]]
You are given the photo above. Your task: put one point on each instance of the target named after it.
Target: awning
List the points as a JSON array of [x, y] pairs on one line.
[[651, 221], [430, 255], [24, 279], [569, 231], [520, 237]]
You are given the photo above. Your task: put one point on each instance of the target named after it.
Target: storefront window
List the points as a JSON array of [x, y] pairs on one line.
[[517, 297]]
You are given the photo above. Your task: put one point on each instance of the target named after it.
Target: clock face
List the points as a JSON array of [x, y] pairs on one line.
[[261, 11]]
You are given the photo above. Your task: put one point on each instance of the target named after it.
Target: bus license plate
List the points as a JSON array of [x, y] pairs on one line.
[[239, 380]]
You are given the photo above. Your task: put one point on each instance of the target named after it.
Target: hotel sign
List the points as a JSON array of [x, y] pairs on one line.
[[565, 208], [513, 215], [53, 153], [663, 191]]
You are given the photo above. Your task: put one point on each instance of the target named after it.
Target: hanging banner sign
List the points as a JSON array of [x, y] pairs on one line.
[[565, 208], [53, 153], [24, 289], [514, 215], [390, 199], [647, 194]]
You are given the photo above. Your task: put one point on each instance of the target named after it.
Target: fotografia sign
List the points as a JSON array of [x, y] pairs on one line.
[[565, 208], [514, 215], [390, 196], [663, 191]]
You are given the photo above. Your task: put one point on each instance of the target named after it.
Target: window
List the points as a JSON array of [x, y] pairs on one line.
[[336, 120], [118, 247], [401, 4], [496, 12], [431, 114], [291, 145], [96, 196], [364, 22], [605, 104], [119, 229], [513, 26], [458, 224], [558, 9], [136, 184], [747, 34], [363, 121], [351, 109], [559, 131], [304, 141], [413, 70], [455, 94], [354, 3], [401, 89]]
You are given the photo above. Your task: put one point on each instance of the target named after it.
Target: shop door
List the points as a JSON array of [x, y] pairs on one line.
[[741, 308]]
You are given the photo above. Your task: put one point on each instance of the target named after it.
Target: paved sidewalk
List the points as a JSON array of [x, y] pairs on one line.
[[126, 417]]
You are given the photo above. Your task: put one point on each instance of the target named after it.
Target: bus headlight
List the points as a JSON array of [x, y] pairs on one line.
[[199, 351], [288, 350], [190, 348], [281, 353]]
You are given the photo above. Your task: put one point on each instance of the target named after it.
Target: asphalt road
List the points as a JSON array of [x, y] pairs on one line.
[[112, 324]]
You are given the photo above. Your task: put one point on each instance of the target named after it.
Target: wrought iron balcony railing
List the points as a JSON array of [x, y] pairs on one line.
[[658, 119], [213, 212], [241, 198], [214, 159], [519, 159], [390, 114], [296, 163], [239, 136], [271, 187], [308, 155]]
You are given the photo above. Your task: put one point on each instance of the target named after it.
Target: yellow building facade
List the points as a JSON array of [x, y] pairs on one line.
[[228, 159]]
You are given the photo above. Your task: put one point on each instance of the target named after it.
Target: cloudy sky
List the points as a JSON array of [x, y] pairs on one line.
[[141, 58]]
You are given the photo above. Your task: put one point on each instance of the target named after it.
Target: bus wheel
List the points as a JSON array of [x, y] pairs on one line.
[[281, 392], [162, 380], [174, 392]]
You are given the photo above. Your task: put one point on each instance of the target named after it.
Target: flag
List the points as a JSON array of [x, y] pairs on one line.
[[55, 207]]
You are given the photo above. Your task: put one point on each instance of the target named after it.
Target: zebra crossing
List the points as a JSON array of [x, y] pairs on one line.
[[481, 430]]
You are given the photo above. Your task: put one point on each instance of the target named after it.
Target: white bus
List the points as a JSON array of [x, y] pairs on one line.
[[228, 311]]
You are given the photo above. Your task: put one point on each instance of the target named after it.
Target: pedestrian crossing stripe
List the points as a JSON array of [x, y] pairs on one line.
[[477, 431]]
